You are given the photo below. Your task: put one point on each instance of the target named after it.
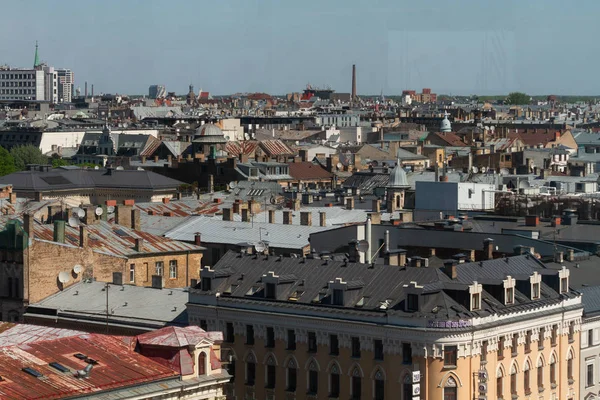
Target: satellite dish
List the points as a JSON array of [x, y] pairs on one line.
[[475, 170], [232, 185], [339, 165], [483, 169], [80, 213], [260, 247], [363, 246], [504, 171], [99, 211], [77, 269], [96, 167], [73, 222], [110, 209], [63, 277]]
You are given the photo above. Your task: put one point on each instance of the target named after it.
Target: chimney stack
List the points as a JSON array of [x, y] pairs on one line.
[[139, 245], [85, 90], [59, 231], [245, 215], [198, 239], [135, 220], [353, 83], [488, 249], [83, 236], [28, 225], [376, 206], [450, 269], [227, 214], [350, 203]]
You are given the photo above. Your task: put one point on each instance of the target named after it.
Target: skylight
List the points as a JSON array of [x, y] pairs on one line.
[[59, 367], [32, 372]]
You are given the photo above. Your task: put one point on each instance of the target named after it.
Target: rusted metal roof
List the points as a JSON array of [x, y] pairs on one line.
[[15, 334], [117, 367], [236, 148], [117, 240], [179, 208], [275, 147]]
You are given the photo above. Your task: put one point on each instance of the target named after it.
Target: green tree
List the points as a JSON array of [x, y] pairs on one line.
[[518, 98], [59, 162], [7, 162], [28, 154]]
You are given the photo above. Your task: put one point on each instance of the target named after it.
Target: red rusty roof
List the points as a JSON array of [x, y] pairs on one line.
[[307, 170], [236, 148], [180, 208], [118, 367], [275, 147]]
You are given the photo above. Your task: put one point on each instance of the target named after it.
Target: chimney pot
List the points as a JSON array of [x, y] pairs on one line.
[[198, 239]]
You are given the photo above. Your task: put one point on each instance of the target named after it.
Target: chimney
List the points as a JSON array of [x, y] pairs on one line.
[[376, 206], [271, 216], [211, 183], [169, 158], [450, 269], [415, 262], [123, 215], [296, 204], [155, 159], [178, 195], [92, 90], [135, 220], [139, 245], [532, 220], [90, 215], [198, 239], [322, 218], [287, 217], [143, 159], [570, 254], [488, 249], [12, 198], [59, 231], [306, 218], [165, 200], [83, 236], [559, 257], [85, 90], [349, 203], [227, 214], [28, 224], [245, 215], [353, 83]]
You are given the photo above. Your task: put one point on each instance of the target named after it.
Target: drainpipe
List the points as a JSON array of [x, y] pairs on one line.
[[368, 239]]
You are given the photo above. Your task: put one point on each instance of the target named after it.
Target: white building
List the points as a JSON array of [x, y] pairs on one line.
[[66, 80], [22, 84], [433, 199]]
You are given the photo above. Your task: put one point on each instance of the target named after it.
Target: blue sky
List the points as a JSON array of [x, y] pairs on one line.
[[278, 46]]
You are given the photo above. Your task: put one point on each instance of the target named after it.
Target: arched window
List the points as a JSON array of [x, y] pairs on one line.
[[313, 377], [292, 374], [526, 377], [553, 369], [540, 373], [250, 369], [570, 358], [451, 389], [499, 382], [271, 371], [356, 387], [202, 364], [513, 379], [407, 387], [379, 383], [334, 381]]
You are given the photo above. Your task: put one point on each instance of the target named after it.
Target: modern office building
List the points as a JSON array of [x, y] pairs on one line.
[[320, 328], [66, 81], [157, 91]]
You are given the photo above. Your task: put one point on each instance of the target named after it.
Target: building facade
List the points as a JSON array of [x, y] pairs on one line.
[[319, 328], [65, 85], [22, 84]]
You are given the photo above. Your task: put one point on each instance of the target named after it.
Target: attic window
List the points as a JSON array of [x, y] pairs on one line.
[[535, 291], [338, 297], [270, 291], [475, 301], [206, 284], [564, 285], [412, 302], [510, 295]]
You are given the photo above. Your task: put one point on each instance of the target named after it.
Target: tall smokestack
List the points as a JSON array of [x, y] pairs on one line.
[[353, 82], [86, 89], [92, 90]]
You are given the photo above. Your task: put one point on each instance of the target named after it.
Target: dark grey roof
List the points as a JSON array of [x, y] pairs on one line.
[[590, 299], [77, 178]]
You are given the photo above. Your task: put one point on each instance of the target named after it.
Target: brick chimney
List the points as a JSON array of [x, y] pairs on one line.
[[349, 203], [488, 249], [306, 218], [139, 245], [83, 236], [198, 239], [12, 198], [376, 206], [28, 224], [451, 269], [245, 215], [59, 231], [123, 215], [135, 220]]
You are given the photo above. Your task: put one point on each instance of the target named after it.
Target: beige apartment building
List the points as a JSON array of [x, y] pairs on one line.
[[323, 328]]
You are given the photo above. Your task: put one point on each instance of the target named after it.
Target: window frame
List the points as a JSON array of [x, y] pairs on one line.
[[450, 356]]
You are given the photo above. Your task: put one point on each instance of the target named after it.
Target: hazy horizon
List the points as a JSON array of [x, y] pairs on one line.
[[277, 47]]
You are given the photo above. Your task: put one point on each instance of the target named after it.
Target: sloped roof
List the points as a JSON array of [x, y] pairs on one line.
[[236, 148], [174, 336], [450, 138], [308, 170]]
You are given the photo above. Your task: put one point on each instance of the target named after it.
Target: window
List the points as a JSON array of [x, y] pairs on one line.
[[271, 374], [535, 294], [513, 382], [378, 349], [450, 356], [334, 382], [312, 342], [132, 273], [202, 364], [173, 269], [250, 372], [570, 366], [313, 381], [270, 339], [291, 339], [554, 336], [484, 350], [270, 292], [515, 345], [249, 334], [528, 342], [571, 332], [355, 347], [589, 380], [292, 375], [501, 348], [541, 338], [159, 268], [475, 301], [564, 286], [450, 393], [379, 388], [590, 334], [412, 302], [229, 333], [334, 345], [499, 383], [510, 295], [356, 386], [338, 297], [526, 382], [203, 325], [406, 353], [206, 284], [540, 374], [553, 371], [407, 387]]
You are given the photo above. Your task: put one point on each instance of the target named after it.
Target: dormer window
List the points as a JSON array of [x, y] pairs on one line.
[[509, 290], [270, 281], [563, 274], [475, 291], [338, 287], [535, 280], [412, 302], [510, 295], [338, 297], [270, 291], [206, 284], [206, 276]]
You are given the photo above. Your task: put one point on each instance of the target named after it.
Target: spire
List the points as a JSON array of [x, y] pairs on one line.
[[36, 60]]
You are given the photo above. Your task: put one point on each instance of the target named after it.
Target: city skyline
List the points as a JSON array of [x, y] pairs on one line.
[[278, 48]]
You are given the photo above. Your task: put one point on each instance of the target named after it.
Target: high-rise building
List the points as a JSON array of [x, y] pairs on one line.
[[66, 82], [157, 91]]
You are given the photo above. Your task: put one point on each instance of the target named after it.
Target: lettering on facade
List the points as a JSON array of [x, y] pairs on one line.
[[449, 324]]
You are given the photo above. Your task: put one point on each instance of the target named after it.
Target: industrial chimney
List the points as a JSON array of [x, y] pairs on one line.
[[86, 90], [353, 82]]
